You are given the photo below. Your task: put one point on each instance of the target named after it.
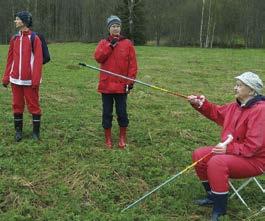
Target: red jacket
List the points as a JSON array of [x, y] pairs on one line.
[[23, 66], [246, 124], [121, 60]]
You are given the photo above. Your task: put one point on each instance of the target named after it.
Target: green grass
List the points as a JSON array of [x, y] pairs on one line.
[[70, 175]]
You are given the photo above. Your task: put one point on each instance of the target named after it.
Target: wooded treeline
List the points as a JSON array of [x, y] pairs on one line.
[[204, 23]]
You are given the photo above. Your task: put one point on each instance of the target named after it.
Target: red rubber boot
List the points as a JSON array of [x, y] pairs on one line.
[[108, 140], [122, 142]]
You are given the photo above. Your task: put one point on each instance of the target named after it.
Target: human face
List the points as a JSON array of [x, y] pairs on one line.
[[243, 92], [115, 30], [19, 23]]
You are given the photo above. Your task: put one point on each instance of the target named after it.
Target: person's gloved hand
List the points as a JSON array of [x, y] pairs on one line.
[[196, 101], [128, 88], [4, 85], [114, 42], [220, 148]]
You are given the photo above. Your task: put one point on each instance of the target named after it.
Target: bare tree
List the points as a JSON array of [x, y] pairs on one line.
[[208, 25], [226, 23], [202, 18]]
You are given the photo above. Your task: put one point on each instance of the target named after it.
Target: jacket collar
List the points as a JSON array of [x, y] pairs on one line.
[[252, 101], [28, 32], [110, 37]]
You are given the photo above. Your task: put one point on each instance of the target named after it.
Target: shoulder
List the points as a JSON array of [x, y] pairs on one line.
[[103, 42], [35, 35], [260, 105], [14, 36], [127, 41], [258, 109], [233, 104]]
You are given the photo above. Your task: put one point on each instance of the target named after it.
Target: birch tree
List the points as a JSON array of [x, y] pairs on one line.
[[202, 18]]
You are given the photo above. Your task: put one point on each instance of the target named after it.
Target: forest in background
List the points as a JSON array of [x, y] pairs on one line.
[[203, 23]]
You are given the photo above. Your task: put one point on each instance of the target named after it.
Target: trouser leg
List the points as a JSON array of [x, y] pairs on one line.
[[222, 167], [121, 109], [18, 100], [32, 100], [107, 106], [201, 167]]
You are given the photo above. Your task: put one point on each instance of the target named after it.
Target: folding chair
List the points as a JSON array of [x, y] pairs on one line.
[[236, 190]]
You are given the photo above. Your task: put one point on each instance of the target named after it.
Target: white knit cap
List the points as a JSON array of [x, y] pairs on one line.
[[252, 80]]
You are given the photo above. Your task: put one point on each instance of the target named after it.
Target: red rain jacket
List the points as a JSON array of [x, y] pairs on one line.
[[246, 124], [23, 66], [120, 60]]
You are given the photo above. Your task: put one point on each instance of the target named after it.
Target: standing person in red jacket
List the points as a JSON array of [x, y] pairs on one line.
[[245, 155], [23, 71], [115, 54]]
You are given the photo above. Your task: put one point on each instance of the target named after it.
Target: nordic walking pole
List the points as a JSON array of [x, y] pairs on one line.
[[131, 79], [167, 181], [227, 141]]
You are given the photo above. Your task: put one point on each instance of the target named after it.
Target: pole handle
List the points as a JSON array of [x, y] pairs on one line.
[[82, 64], [228, 139]]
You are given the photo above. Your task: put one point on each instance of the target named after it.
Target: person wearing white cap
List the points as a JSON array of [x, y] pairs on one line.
[[244, 156]]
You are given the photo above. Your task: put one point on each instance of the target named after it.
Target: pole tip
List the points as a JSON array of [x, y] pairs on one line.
[[82, 64]]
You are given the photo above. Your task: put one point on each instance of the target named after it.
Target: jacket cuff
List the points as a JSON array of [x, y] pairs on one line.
[[203, 107], [5, 81]]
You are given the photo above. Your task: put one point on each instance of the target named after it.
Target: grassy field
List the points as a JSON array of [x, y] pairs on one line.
[[70, 175]]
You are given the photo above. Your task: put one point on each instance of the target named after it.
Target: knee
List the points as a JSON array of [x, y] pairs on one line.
[[18, 108], [195, 155], [216, 160], [107, 115], [217, 163], [34, 109], [198, 153]]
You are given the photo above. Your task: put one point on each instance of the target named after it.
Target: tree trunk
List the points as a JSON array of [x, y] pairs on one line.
[[212, 39], [208, 25], [157, 38], [202, 13], [180, 33], [130, 7]]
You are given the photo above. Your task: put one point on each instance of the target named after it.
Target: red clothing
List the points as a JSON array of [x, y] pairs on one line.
[[28, 95], [218, 168], [245, 155], [120, 60], [23, 70], [23, 66], [246, 124]]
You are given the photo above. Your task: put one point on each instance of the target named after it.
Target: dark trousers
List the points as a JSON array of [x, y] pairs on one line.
[[120, 106]]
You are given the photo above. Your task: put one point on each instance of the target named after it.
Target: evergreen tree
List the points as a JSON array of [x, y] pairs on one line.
[[131, 13]]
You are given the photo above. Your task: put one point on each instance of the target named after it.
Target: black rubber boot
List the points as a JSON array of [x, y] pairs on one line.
[[36, 126], [208, 200], [219, 206], [18, 122]]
